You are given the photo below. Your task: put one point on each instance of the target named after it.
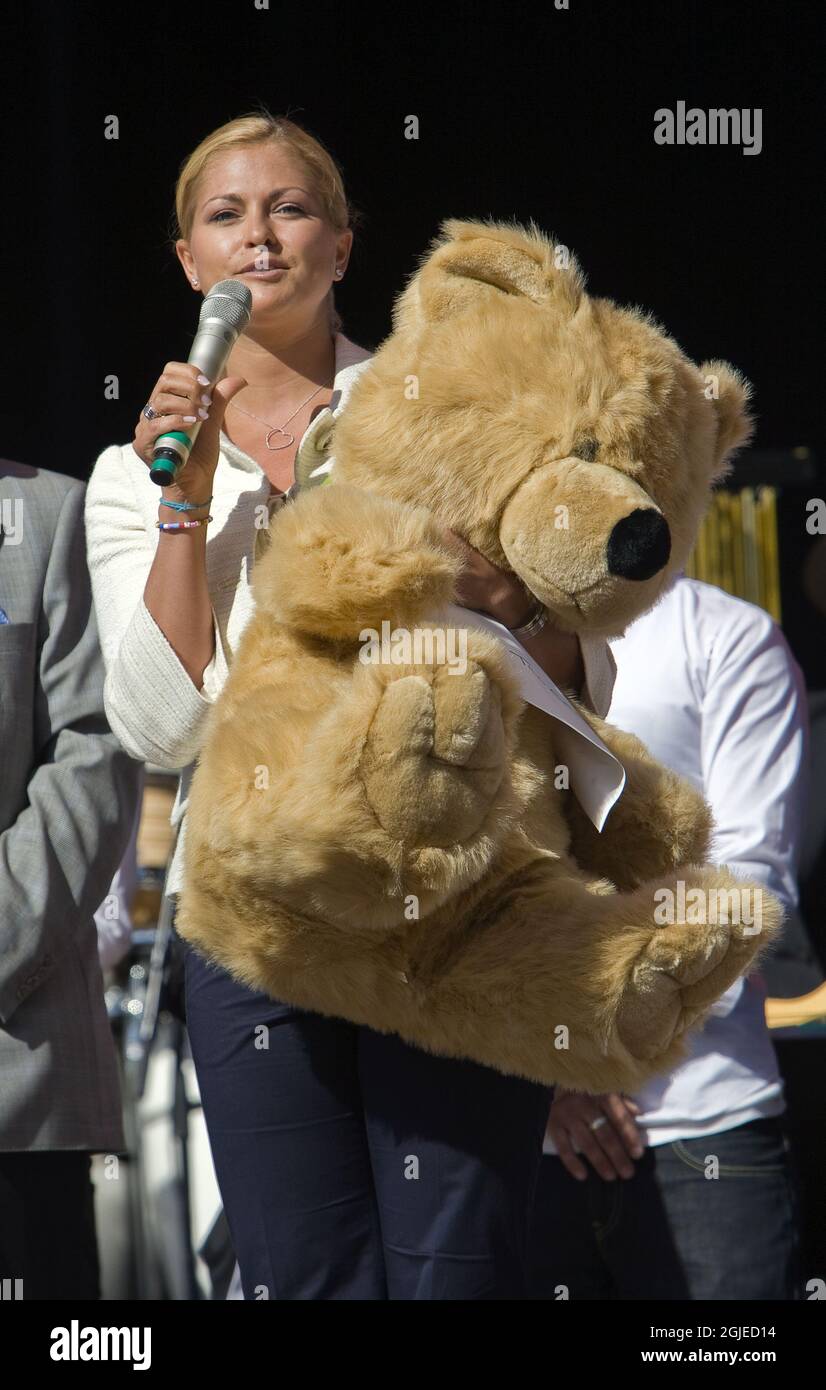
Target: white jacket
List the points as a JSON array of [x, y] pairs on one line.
[[151, 701]]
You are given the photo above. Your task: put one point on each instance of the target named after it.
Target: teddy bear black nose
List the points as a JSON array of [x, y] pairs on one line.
[[639, 545]]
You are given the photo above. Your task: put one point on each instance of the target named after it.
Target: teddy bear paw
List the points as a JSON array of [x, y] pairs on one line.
[[435, 753], [687, 965]]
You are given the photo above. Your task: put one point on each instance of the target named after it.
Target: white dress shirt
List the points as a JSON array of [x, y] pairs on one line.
[[710, 686]]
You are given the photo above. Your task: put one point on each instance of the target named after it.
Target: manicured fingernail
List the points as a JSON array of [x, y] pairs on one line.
[[204, 414], [204, 380], [190, 419], [206, 399]]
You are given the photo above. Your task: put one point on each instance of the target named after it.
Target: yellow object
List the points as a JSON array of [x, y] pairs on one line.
[[737, 547], [791, 1013], [768, 507]]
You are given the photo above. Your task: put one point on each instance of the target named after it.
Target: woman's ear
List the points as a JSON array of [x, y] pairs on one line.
[[731, 394]]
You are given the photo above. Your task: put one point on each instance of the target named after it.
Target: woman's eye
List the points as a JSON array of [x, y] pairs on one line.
[[228, 212]]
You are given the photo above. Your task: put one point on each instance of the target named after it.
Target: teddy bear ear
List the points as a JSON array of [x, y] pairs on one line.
[[730, 393], [470, 261]]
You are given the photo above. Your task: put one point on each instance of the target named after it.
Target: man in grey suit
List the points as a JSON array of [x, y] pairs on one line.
[[68, 796]]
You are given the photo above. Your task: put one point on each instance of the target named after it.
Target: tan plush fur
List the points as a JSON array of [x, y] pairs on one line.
[[385, 843]]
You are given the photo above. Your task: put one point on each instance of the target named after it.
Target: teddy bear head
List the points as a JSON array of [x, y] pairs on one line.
[[566, 438]]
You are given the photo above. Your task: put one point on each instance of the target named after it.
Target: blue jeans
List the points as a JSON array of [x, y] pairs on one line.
[[671, 1232], [354, 1166]]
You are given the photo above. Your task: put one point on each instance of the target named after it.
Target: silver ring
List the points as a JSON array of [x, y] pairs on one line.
[[532, 625], [148, 412], [600, 1120]]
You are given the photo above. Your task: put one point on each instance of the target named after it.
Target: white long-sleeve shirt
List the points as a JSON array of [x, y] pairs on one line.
[[708, 683]]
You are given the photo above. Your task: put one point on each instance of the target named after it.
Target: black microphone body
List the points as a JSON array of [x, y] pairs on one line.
[[225, 313]]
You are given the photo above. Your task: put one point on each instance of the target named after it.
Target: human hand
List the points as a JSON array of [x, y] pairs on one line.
[[180, 397], [502, 594], [488, 589], [609, 1147]]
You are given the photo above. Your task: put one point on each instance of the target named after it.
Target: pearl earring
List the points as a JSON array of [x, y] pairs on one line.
[[195, 284]]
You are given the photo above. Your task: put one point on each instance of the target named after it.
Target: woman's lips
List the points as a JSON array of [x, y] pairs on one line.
[[271, 274]]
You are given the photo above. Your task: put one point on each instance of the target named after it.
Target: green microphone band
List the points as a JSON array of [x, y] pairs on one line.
[[171, 457]]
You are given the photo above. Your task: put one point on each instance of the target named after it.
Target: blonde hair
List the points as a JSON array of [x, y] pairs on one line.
[[255, 128]]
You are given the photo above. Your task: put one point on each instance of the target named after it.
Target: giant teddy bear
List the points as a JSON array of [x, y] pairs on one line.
[[389, 842]]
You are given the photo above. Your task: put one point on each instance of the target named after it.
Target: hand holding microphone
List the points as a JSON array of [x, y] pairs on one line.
[[177, 398], [180, 443]]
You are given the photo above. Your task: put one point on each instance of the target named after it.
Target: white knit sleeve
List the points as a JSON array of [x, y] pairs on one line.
[[153, 706]]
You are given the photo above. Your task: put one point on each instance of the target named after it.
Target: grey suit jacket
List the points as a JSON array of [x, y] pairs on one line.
[[67, 799]]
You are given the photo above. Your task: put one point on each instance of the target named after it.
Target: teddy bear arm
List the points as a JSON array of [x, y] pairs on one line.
[[342, 561], [659, 822]]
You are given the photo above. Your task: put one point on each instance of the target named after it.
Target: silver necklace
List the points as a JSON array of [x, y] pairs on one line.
[[278, 429]]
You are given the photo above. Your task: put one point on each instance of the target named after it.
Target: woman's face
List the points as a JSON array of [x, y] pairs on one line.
[[258, 219]]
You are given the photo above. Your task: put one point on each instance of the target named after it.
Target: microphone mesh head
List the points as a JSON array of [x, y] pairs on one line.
[[229, 301]]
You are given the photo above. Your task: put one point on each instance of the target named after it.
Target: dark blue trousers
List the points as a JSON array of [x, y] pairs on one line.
[[353, 1166]]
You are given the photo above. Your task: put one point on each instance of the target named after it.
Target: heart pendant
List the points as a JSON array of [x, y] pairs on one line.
[[290, 438]]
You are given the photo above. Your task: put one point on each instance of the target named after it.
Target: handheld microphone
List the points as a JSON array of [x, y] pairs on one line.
[[225, 313]]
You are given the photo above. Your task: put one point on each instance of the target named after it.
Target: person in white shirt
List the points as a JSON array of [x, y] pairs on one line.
[[312, 1134], [686, 1190]]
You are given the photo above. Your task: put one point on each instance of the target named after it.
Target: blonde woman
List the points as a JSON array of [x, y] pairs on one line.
[[351, 1165]]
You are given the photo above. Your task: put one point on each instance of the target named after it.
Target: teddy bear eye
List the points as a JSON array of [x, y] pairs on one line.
[[586, 449]]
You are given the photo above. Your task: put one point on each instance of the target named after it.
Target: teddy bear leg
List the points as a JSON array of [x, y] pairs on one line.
[[549, 976], [434, 758], [437, 762], [714, 927], [392, 780], [661, 955], [566, 982]]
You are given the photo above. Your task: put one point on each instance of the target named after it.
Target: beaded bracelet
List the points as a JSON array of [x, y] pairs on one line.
[[184, 506], [181, 525]]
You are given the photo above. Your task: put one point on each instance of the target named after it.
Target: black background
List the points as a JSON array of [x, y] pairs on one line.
[[524, 111]]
